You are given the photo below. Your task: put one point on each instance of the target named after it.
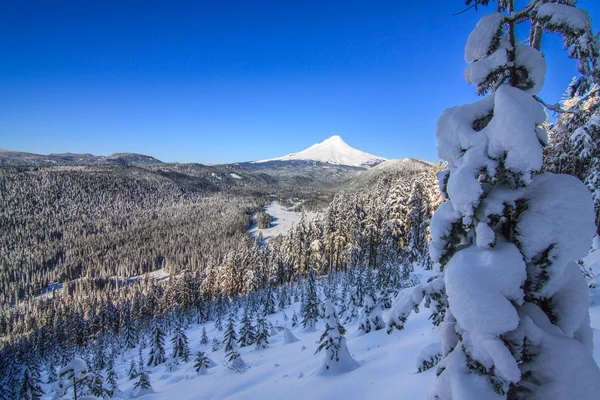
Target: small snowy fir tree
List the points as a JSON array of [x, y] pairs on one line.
[[269, 300], [97, 386], [247, 333], [142, 385], [216, 345], [371, 318], [310, 310], [230, 336], [262, 333], [204, 337], [31, 388], [181, 348], [337, 357], [294, 319], [201, 363], [132, 371], [111, 376], [157, 345], [516, 324]]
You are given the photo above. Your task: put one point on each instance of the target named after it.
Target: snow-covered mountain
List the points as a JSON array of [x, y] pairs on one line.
[[333, 151]]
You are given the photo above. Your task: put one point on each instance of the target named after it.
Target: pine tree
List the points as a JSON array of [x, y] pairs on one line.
[[97, 385], [371, 318], [216, 345], [204, 337], [52, 374], [310, 311], [181, 348], [294, 319], [111, 376], [333, 341], [262, 333], [506, 236], [201, 363], [247, 332], [132, 372], [269, 300], [30, 386], [230, 336], [143, 382], [157, 346]]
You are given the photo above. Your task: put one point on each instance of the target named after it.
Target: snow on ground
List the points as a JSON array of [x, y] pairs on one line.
[[282, 221], [285, 371], [235, 176]]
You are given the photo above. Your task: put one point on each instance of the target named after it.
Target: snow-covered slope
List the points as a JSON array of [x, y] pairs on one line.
[[333, 151]]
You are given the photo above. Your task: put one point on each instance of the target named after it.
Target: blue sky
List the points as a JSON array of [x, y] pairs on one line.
[[225, 81]]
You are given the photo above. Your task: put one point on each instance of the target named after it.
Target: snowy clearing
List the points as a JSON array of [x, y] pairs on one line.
[[282, 221]]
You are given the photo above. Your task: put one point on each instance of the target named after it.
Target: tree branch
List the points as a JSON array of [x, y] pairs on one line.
[[557, 108]]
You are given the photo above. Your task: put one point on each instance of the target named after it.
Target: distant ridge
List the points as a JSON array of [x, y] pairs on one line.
[[332, 151], [16, 158]]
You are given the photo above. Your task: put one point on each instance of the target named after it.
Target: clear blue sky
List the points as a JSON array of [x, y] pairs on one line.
[[224, 81]]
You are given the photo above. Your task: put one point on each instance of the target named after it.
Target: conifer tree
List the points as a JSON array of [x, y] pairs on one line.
[[201, 362], [269, 300], [247, 332], [262, 333], [132, 371], [371, 318], [230, 336], [30, 386], [337, 358], [216, 345], [310, 311], [143, 382], [181, 348], [157, 345], [506, 237], [111, 376], [204, 337]]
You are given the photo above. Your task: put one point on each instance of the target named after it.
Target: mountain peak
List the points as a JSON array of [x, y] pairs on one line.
[[333, 150]]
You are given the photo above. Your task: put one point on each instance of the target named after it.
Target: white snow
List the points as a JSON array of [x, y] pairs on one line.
[[333, 151], [564, 15], [480, 40], [235, 176], [480, 69], [282, 221]]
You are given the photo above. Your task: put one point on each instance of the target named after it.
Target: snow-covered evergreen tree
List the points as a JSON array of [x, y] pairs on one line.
[[201, 362], [247, 332], [31, 388], [216, 345], [337, 358], [262, 333], [157, 345], [269, 300], [310, 310], [204, 337], [516, 324], [132, 371], [230, 336], [181, 348], [142, 385], [370, 318]]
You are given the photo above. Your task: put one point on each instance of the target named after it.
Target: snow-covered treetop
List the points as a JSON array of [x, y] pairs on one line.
[[77, 368], [333, 151]]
